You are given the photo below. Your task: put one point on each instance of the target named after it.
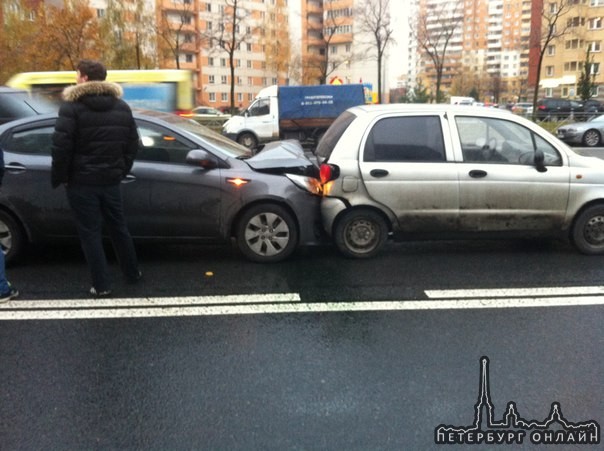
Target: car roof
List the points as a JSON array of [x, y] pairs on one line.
[[394, 108]]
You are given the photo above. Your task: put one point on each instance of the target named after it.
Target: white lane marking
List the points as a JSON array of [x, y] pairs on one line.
[[152, 302], [514, 292], [168, 311]]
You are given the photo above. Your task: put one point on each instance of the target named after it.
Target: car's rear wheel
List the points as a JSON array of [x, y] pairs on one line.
[[11, 237], [591, 138], [248, 140], [267, 233], [360, 233], [588, 231]]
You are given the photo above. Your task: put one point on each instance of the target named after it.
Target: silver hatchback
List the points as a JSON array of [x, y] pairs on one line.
[[444, 171]]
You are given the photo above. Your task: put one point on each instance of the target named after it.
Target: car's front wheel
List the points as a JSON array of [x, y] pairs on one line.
[[11, 237], [267, 233], [588, 231], [591, 138], [360, 233]]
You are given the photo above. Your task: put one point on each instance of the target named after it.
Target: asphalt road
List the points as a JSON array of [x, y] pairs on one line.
[[316, 353]]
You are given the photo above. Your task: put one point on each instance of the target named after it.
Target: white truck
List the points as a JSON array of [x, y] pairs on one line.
[[292, 112]]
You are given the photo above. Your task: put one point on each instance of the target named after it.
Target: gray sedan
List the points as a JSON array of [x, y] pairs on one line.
[[187, 184], [588, 134]]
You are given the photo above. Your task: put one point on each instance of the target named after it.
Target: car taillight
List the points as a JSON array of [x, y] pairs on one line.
[[541, 107], [184, 113], [328, 172]]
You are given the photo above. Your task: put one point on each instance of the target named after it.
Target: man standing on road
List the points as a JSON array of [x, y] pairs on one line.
[[94, 145]]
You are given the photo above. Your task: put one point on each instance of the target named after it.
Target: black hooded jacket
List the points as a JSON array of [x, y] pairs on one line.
[[95, 139]]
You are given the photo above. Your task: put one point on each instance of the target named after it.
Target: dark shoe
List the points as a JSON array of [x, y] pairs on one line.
[[99, 294], [136, 279], [10, 294]]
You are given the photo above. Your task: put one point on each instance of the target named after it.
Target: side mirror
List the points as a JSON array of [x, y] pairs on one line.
[[202, 159], [540, 161]]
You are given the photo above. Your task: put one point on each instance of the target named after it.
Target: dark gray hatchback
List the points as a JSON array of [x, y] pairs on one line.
[[16, 104], [188, 183]]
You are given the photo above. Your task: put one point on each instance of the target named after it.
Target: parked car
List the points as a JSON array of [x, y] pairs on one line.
[[444, 171], [555, 109], [16, 103], [187, 184], [207, 112], [588, 133], [523, 108], [592, 107]]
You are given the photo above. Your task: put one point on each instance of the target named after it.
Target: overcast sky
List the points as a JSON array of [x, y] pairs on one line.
[[397, 62]]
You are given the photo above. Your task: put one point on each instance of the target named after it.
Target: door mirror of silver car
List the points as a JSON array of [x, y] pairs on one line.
[[202, 159], [540, 161]]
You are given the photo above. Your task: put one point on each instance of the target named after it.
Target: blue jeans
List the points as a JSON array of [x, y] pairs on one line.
[[4, 288], [92, 206]]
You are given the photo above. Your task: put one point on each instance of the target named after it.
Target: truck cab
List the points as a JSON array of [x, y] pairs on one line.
[[258, 123]]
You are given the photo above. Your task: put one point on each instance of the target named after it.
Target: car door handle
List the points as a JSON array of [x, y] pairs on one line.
[[378, 173], [477, 173], [15, 167], [129, 178]]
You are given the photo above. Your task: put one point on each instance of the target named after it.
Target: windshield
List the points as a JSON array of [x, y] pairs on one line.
[[215, 139], [333, 134], [597, 119]]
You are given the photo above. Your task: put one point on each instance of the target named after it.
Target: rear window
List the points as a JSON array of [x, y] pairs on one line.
[[15, 105], [333, 135]]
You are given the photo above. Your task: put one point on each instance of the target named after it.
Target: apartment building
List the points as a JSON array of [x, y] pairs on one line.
[[487, 46], [582, 31], [208, 37]]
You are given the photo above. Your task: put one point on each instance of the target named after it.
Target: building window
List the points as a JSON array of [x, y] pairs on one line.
[[212, 97], [223, 79], [595, 23], [595, 46], [549, 92], [189, 58], [223, 62], [210, 61], [551, 50], [549, 71], [224, 97], [595, 68], [211, 79]]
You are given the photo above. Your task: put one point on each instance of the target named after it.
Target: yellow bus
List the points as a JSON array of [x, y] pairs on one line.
[[169, 90]]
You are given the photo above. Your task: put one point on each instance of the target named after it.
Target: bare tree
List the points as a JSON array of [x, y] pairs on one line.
[[374, 19], [172, 29], [320, 66], [553, 27], [232, 31], [433, 29]]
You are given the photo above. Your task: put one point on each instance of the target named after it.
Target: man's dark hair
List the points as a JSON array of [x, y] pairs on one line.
[[94, 70]]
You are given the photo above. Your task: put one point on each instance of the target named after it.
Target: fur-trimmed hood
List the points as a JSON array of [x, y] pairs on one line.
[[92, 88]]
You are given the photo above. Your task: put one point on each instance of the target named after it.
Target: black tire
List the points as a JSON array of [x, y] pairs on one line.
[[588, 231], [591, 138], [12, 238], [248, 140], [360, 233], [267, 233]]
